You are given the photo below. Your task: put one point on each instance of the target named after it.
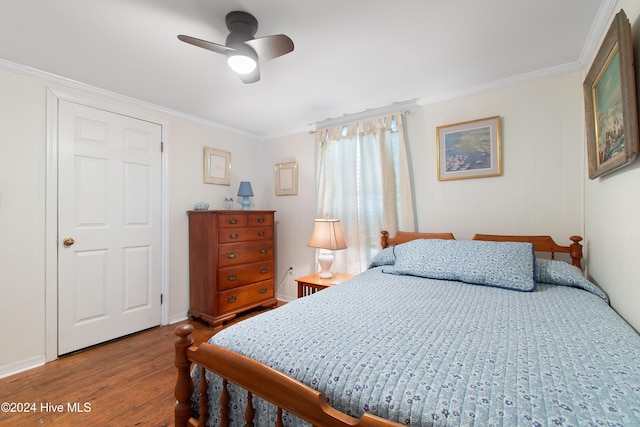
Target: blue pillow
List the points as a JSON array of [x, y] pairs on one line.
[[384, 257], [508, 265], [564, 274]]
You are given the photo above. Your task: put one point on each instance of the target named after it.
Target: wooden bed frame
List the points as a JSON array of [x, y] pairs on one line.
[[284, 392]]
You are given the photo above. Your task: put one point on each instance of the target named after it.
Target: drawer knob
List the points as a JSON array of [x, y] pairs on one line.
[[233, 220], [233, 235], [232, 276], [232, 255], [261, 233], [264, 270], [263, 250], [232, 298], [260, 220], [264, 290]]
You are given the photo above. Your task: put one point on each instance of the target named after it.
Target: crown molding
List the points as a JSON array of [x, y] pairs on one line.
[[598, 30], [92, 90], [498, 84]]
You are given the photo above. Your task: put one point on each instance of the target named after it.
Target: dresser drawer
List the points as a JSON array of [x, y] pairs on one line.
[[259, 219], [233, 277], [241, 253], [244, 234], [232, 220], [239, 297]]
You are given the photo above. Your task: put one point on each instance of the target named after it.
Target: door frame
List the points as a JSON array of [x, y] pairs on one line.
[[51, 205]]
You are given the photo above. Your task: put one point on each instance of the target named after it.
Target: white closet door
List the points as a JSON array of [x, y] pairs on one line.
[[109, 232]]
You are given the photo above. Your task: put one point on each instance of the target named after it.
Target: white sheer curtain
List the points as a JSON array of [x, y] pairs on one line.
[[364, 181]]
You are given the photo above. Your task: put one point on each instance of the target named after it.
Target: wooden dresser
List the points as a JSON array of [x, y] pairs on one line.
[[231, 263]]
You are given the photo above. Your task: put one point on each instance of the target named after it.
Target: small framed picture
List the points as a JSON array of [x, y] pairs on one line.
[[217, 166], [287, 179], [469, 149], [611, 114]]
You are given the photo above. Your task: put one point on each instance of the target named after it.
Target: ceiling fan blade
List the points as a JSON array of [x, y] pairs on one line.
[[252, 77], [270, 47], [218, 48]]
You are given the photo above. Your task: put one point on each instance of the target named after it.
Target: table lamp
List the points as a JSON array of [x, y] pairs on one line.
[[327, 236], [245, 191]]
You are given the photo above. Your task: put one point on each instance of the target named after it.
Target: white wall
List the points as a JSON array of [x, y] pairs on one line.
[[295, 213], [611, 212], [540, 191], [22, 191], [185, 154], [22, 204]]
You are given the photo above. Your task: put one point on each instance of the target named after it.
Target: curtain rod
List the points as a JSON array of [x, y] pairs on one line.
[[394, 107]]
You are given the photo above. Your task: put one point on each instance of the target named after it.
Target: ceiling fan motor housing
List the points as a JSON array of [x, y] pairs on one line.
[[242, 27]]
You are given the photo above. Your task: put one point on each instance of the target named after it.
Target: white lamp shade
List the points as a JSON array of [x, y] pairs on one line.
[[327, 234]]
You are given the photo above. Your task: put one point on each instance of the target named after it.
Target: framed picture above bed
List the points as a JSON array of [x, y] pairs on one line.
[[469, 149], [611, 114]]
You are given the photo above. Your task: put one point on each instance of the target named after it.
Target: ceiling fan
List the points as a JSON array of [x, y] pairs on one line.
[[242, 50]]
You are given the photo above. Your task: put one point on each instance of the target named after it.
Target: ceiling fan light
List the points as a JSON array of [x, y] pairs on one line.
[[241, 64]]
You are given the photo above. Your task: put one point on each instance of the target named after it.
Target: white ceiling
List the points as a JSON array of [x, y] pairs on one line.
[[350, 55]]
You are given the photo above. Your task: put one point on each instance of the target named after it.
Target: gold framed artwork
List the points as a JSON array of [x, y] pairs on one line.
[[287, 179], [469, 149], [217, 166], [611, 113]]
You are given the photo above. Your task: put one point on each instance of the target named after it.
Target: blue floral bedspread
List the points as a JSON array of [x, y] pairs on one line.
[[427, 352]]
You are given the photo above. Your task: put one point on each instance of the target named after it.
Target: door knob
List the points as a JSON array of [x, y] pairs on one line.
[[68, 241]]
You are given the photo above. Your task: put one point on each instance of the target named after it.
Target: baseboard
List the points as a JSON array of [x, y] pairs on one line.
[[178, 318], [284, 298], [25, 365]]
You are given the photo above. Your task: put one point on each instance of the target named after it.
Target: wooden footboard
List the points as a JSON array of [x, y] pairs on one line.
[[284, 392]]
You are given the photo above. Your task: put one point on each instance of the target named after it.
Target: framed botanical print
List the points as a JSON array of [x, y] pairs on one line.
[[217, 166], [611, 114], [469, 149]]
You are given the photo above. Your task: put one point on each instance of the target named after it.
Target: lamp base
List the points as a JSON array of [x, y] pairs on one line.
[[246, 203], [325, 259]]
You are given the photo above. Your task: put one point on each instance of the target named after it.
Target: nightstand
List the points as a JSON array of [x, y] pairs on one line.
[[312, 283]]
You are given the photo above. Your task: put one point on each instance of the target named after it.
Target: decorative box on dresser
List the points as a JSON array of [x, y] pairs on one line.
[[231, 263]]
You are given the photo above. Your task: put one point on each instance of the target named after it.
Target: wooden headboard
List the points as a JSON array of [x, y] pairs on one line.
[[540, 243], [407, 236]]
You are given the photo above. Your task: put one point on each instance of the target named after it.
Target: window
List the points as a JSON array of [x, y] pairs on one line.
[[363, 180]]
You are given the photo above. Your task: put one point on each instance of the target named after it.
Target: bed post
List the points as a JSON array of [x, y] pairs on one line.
[[184, 384], [384, 240], [576, 251]]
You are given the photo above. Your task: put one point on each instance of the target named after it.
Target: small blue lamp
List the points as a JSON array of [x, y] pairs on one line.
[[245, 191]]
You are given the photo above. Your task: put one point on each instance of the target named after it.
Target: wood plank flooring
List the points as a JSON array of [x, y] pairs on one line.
[[127, 382]]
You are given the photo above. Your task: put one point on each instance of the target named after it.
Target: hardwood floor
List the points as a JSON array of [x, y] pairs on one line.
[[127, 382]]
